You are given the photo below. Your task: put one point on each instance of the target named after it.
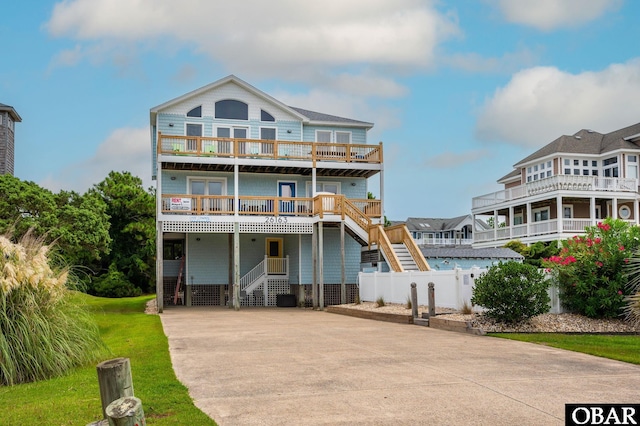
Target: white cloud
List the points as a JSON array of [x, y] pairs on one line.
[[125, 150], [540, 104], [299, 41], [507, 63], [548, 15]]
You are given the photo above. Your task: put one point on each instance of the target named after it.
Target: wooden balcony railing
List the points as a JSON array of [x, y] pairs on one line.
[[272, 206], [202, 146]]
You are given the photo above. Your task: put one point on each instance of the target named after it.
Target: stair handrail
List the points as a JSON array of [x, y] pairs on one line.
[[378, 236], [355, 213], [414, 250], [254, 274]]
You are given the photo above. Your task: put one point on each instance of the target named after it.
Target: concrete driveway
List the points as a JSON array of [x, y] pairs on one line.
[[289, 366]]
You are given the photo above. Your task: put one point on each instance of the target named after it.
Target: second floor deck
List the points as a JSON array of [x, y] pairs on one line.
[[551, 184]]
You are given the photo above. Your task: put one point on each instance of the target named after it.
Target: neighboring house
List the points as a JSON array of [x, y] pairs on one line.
[[8, 118], [260, 202], [573, 182], [446, 258], [443, 232]]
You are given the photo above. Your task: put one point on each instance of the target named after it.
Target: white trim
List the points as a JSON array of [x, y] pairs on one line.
[[267, 127], [626, 208], [567, 206], [335, 133], [309, 184], [331, 140], [222, 180], [540, 210]]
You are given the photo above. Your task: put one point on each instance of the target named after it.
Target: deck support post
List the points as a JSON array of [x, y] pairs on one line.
[[320, 265], [343, 275], [314, 261], [236, 266], [159, 268]]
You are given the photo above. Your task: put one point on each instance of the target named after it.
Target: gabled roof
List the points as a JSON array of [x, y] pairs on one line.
[[437, 224], [306, 116], [470, 253], [12, 112], [587, 142], [320, 118]]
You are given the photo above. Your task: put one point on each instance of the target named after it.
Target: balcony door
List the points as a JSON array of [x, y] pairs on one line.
[[287, 190], [230, 132], [208, 187]]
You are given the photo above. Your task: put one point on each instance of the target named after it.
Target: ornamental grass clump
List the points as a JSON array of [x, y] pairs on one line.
[[43, 333]]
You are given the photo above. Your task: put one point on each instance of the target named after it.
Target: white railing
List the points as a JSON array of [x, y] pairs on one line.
[[251, 278], [426, 241], [557, 183], [536, 228]]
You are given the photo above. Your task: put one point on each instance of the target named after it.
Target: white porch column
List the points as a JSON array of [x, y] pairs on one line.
[[592, 210], [300, 285], [614, 208], [510, 224], [560, 214], [236, 198], [529, 219], [495, 225]]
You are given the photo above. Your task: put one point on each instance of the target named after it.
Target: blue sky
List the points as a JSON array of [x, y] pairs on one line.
[[459, 91]]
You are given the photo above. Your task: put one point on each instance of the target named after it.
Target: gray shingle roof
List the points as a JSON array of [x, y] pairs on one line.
[[326, 118], [470, 253], [586, 142], [435, 224]]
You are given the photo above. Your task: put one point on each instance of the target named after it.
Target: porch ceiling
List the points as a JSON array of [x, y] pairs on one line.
[[248, 168]]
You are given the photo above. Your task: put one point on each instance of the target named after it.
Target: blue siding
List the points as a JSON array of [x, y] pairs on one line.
[[207, 259], [260, 184]]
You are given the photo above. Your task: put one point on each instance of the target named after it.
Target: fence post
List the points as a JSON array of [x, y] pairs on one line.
[[114, 379], [432, 300], [414, 300], [126, 411]]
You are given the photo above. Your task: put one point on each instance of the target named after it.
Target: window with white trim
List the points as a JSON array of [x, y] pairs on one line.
[[567, 211], [539, 171], [540, 214], [323, 136], [632, 166], [610, 167], [343, 137], [331, 187]]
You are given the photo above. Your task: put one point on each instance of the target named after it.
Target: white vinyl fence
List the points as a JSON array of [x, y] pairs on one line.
[[452, 288]]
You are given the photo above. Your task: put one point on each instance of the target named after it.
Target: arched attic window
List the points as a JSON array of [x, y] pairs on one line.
[[265, 116], [196, 112], [232, 109]]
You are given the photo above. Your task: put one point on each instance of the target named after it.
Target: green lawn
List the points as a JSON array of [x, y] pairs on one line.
[[618, 347], [75, 398]]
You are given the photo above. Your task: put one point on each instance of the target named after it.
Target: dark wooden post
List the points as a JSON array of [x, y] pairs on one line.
[[432, 300], [114, 378], [126, 411], [414, 300]]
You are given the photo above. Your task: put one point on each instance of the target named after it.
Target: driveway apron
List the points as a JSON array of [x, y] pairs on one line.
[[290, 366]]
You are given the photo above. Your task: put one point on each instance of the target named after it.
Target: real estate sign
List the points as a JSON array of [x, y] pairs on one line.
[[180, 204]]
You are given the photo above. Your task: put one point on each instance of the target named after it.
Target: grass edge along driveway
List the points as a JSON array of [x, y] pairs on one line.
[[74, 399]]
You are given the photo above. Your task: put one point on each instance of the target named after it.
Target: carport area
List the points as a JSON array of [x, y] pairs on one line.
[[290, 366]]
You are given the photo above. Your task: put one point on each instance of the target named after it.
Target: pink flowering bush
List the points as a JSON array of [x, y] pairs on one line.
[[590, 269]]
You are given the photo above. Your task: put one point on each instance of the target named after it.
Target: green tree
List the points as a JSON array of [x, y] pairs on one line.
[[590, 269], [132, 216], [25, 205], [512, 292], [535, 253]]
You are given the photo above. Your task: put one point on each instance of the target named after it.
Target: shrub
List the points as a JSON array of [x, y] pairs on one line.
[[380, 302], [43, 333], [114, 284], [511, 292], [632, 308], [590, 269]]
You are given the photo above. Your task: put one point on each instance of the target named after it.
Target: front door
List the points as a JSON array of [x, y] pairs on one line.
[[275, 260], [287, 190]]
